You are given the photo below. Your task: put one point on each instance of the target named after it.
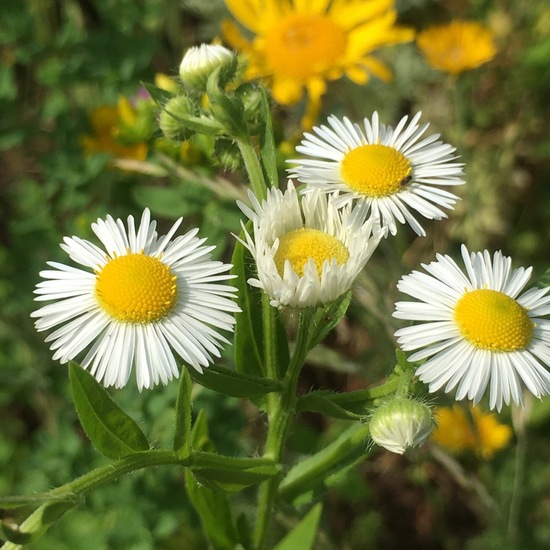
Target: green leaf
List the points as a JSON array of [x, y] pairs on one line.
[[109, 428], [159, 96], [215, 513], [232, 474], [12, 502], [37, 523], [13, 534], [347, 449], [335, 405], [235, 384], [267, 142], [544, 280], [327, 317], [304, 534], [200, 439], [248, 338], [182, 435]]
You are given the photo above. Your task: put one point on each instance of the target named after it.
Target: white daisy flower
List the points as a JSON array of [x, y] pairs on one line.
[[478, 331], [147, 299], [307, 253], [389, 172]]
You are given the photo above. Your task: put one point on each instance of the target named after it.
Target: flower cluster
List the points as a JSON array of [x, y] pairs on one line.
[[149, 299]]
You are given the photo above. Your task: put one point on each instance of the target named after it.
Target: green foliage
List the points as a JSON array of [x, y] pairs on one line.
[[61, 60], [305, 533], [109, 428]]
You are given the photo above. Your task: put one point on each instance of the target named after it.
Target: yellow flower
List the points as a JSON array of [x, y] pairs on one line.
[[459, 431], [300, 44], [457, 46], [106, 122]]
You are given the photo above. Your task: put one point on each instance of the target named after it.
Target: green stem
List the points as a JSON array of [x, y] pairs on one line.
[[65, 497], [253, 167], [281, 408], [349, 447], [92, 480]]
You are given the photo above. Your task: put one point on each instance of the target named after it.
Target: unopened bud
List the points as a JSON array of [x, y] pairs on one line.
[[171, 119], [199, 62], [401, 424]]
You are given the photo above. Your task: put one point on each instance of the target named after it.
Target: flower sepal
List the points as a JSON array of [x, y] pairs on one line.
[[180, 119], [226, 108]]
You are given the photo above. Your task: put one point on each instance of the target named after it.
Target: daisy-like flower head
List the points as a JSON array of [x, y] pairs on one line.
[[388, 171], [301, 44], [307, 253], [478, 329], [457, 46], [146, 299]]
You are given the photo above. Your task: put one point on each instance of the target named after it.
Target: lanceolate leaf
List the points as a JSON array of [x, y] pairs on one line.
[[329, 404], [327, 317], [182, 436], [37, 523], [303, 536], [215, 513], [544, 280], [232, 474], [267, 142], [235, 384], [248, 340], [109, 428]]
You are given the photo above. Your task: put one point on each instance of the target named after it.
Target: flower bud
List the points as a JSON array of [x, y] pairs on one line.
[[401, 424], [171, 118], [199, 62]]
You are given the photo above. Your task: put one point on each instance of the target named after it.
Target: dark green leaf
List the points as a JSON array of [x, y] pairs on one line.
[[39, 522], [267, 142], [304, 534], [200, 439], [232, 474], [233, 383], [214, 512], [109, 428], [544, 280], [159, 96], [182, 436], [248, 339], [36, 499], [327, 317], [347, 449], [329, 404]]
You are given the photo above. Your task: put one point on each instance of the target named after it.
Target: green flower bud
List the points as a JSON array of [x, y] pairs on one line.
[[199, 62], [228, 155], [400, 424], [171, 119]]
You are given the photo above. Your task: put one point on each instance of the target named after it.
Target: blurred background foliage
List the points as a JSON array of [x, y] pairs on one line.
[[61, 62]]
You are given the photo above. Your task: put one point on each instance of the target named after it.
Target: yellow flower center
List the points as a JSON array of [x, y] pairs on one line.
[[302, 45], [375, 170], [299, 245], [136, 288], [491, 320]]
